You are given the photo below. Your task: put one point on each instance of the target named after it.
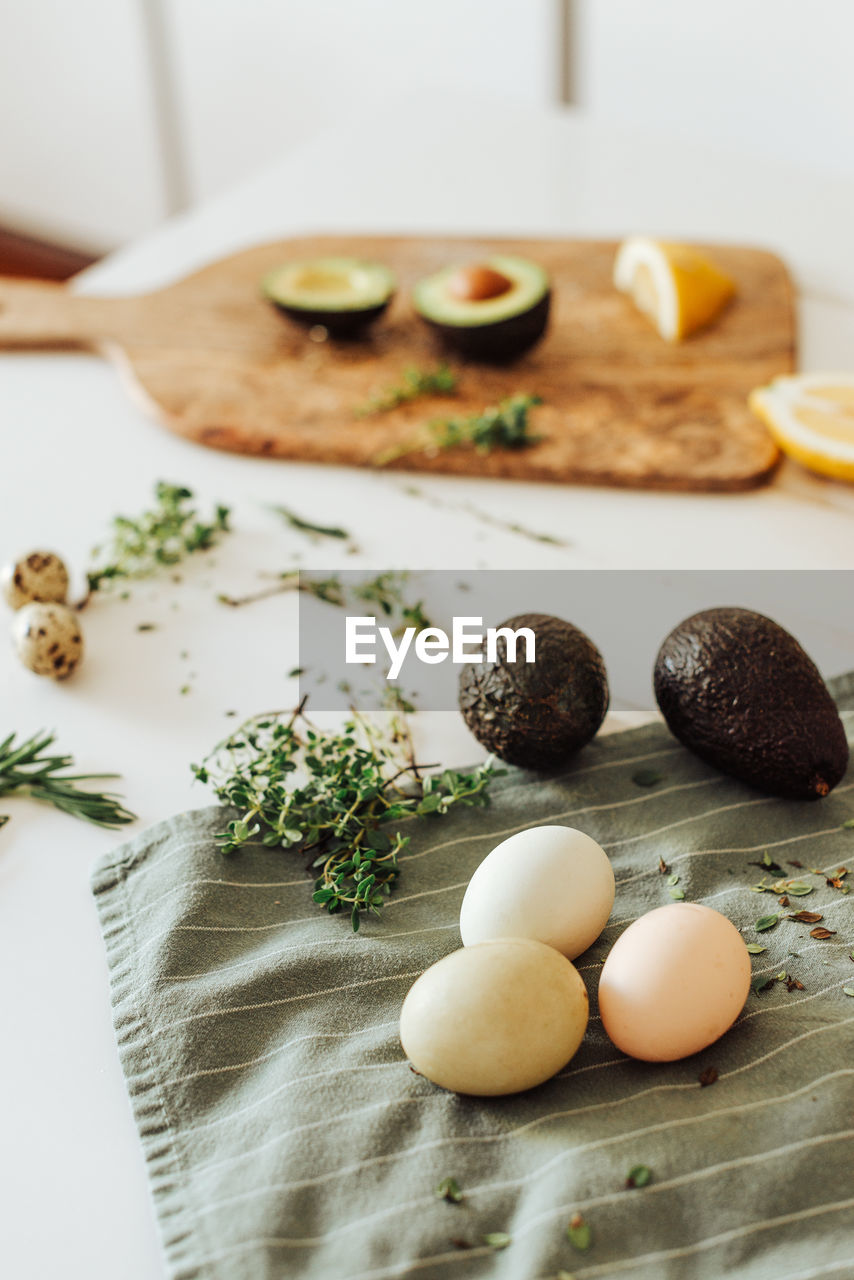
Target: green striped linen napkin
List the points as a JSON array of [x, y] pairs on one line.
[[286, 1136]]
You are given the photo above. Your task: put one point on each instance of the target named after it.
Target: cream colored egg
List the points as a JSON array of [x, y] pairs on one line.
[[48, 639], [554, 884], [674, 982], [495, 1018], [39, 576]]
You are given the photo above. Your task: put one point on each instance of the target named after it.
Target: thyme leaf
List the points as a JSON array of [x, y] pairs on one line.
[[449, 1189], [497, 1239], [647, 777], [638, 1176], [766, 922], [578, 1232]]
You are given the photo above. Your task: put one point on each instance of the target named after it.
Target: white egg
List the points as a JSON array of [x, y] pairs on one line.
[[493, 1019], [553, 884]]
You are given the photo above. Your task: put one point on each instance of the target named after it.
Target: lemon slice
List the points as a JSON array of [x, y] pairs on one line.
[[811, 416], [674, 284]]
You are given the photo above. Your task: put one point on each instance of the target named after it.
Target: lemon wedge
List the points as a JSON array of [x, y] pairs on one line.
[[811, 417], [674, 284]]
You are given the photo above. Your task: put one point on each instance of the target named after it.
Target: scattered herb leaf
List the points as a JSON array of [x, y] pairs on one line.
[[674, 879], [27, 770], [160, 538], [767, 863], [306, 526], [707, 1077], [497, 1239], [805, 917], [756, 948], [792, 984], [762, 984], [449, 1189], [821, 933], [848, 991], [678, 895], [663, 868], [459, 1243], [766, 922], [638, 1176], [797, 888], [848, 824], [647, 777], [578, 1232], [295, 673]]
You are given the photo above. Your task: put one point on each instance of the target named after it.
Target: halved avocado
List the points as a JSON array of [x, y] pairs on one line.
[[492, 310], [344, 295]]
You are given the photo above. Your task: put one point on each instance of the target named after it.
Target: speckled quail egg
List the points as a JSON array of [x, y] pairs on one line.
[[48, 639], [40, 576]]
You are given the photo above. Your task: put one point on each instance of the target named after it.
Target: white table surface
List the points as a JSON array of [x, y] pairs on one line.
[[74, 1194]]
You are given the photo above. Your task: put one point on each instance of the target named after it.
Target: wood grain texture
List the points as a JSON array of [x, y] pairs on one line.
[[216, 364]]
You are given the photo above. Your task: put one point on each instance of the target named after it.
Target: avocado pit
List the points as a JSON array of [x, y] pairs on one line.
[[492, 311], [477, 283]]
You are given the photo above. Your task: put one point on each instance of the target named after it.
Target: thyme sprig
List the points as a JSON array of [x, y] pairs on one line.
[[502, 426], [333, 797], [414, 383], [26, 769], [140, 546], [386, 592]]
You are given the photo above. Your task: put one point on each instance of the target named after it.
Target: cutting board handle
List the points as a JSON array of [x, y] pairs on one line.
[[39, 313]]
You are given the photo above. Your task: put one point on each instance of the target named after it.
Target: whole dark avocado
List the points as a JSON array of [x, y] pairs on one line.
[[739, 691], [537, 714]]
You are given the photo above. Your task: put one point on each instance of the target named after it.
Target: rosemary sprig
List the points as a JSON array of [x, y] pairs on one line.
[[142, 545], [502, 426], [26, 769], [414, 382], [333, 797]]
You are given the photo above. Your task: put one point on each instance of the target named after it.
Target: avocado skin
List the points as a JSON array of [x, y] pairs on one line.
[[497, 343], [739, 691], [536, 715], [339, 324]]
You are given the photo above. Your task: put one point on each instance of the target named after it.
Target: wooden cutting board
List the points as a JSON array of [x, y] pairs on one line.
[[216, 363]]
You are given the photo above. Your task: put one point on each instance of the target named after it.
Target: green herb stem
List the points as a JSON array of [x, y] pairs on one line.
[[414, 383], [27, 770], [142, 546], [333, 797], [502, 426]]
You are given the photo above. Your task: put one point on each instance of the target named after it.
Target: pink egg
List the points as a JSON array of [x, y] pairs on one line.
[[674, 982]]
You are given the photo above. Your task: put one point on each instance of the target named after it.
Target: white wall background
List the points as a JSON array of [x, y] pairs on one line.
[[256, 76], [79, 159], [115, 112], [775, 77]]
